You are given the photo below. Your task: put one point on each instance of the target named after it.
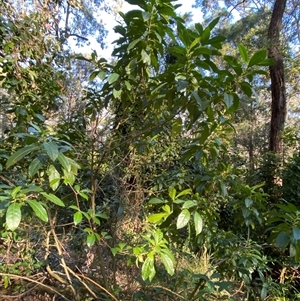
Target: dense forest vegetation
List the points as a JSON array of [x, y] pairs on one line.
[[170, 171]]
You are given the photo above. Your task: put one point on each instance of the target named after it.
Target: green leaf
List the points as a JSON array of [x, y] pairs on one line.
[[183, 219], [182, 84], [172, 193], [34, 166], [146, 15], [266, 62], [52, 150], [91, 239], [296, 233], [194, 43], [157, 217], [128, 85], [189, 204], [243, 52], [258, 57], [53, 174], [38, 209], [168, 263], [248, 202], [53, 198], [156, 201], [204, 134], [69, 177], [198, 221], [205, 36], [133, 43], [20, 154], [113, 78], [176, 127], [15, 191], [282, 240], [77, 217], [246, 88], [148, 269], [117, 93], [13, 216], [145, 57], [264, 291], [228, 99], [213, 23], [166, 208], [184, 192], [93, 75], [63, 160]]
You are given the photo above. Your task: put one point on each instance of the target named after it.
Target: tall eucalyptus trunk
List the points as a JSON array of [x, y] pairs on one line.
[[278, 88]]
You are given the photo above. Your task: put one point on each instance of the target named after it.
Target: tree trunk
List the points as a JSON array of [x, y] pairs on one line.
[[277, 78]]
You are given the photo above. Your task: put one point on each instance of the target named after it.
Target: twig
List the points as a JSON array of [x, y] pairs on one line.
[[60, 253], [22, 294], [169, 291], [100, 286], [35, 281], [82, 282], [239, 289]]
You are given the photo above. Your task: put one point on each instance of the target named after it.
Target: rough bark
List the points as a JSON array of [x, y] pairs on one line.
[[277, 78]]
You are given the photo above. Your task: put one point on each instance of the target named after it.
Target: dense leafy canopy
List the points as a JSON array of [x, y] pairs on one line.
[[154, 164]]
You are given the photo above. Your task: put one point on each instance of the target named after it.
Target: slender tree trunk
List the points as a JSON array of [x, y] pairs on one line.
[[277, 78]]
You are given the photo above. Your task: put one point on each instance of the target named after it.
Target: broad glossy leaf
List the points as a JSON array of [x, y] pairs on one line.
[[157, 217], [189, 204], [183, 219], [146, 15], [38, 209], [296, 233], [13, 216], [91, 239], [53, 175], [93, 75], [194, 43], [34, 167], [156, 201], [184, 192], [246, 88], [248, 202], [53, 198], [266, 62], [213, 23], [63, 160], [205, 36], [20, 154], [148, 269], [257, 57], [15, 191], [69, 177], [204, 134], [113, 78], [51, 149], [168, 263], [172, 193], [133, 44], [198, 221], [140, 3], [228, 99], [145, 57], [292, 250], [182, 84], [282, 240], [117, 93], [243, 53]]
